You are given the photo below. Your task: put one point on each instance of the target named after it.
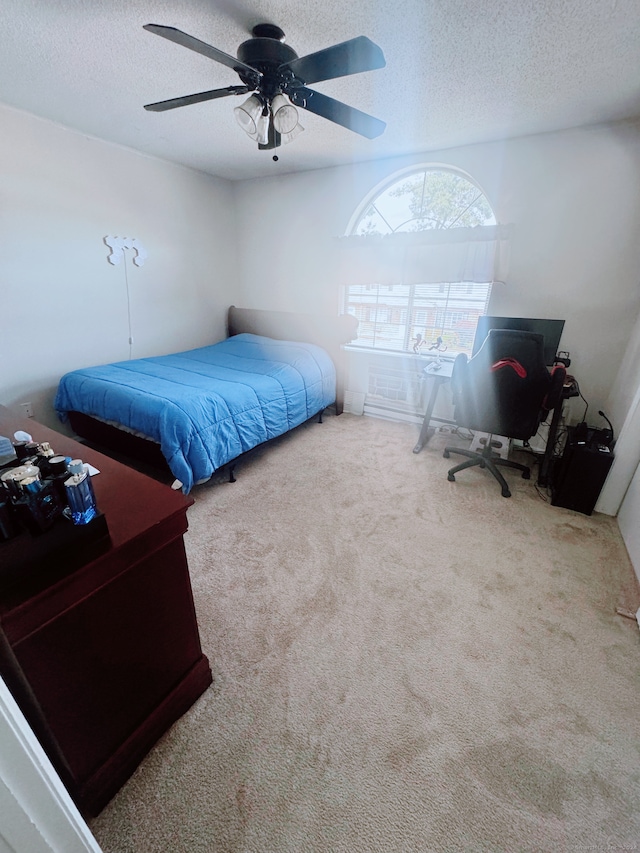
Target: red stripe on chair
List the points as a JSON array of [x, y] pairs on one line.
[[509, 362]]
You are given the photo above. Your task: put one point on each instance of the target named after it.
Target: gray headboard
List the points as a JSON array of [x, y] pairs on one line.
[[323, 330]]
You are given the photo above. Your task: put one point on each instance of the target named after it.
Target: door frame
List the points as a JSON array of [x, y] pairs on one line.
[[37, 812]]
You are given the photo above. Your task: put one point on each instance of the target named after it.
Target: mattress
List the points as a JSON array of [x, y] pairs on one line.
[[207, 406]]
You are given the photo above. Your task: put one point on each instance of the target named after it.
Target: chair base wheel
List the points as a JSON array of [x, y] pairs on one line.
[[487, 460]]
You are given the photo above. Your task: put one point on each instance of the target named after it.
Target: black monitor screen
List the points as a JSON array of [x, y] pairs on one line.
[[551, 330]]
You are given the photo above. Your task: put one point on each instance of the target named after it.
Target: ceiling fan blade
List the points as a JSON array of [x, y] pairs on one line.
[[348, 57], [336, 111], [246, 72], [198, 98]]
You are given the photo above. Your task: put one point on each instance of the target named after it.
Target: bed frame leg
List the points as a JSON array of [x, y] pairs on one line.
[[232, 479]]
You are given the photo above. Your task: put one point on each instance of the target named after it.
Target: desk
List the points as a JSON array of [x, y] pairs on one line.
[[443, 375], [103, 653], [440, 376]]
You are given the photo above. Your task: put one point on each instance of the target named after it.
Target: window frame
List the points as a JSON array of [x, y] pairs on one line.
[[479, 292], [416, 317]]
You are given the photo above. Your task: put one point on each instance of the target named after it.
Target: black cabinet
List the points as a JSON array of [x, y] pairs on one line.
[[579, 475]]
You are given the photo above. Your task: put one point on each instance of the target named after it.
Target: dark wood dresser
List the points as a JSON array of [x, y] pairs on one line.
[[99, 642]]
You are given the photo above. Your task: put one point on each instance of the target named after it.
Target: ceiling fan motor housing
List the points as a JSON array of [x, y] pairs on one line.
[[266, 55]]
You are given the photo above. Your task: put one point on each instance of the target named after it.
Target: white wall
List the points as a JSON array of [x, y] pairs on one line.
[[63, 304], [623, 408], [629, 518], [572, 197]]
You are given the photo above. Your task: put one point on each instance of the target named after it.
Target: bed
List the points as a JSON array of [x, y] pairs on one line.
[[195, 412]]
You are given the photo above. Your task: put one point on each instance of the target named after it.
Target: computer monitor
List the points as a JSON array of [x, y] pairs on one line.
[[551, 330]]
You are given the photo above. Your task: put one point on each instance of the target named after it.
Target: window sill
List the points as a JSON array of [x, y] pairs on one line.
[[395, 354]]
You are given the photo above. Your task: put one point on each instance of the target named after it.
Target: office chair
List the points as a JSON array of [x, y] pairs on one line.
[[505, 389]]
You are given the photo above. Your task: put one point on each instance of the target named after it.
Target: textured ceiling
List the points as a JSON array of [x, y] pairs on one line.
[[458, 72]]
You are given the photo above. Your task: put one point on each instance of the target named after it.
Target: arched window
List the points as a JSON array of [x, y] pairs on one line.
[[425, 200], [424, 262]]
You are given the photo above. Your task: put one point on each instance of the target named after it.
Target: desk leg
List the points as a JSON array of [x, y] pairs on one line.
[[426, 431], [546, 467]]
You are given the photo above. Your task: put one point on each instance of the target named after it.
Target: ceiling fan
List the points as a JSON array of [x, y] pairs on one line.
[[278, 79]]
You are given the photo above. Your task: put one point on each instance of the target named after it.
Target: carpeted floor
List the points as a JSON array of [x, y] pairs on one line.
[[401, 664]]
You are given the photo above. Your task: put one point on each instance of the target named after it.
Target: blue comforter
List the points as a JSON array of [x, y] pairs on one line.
[[207, 406]]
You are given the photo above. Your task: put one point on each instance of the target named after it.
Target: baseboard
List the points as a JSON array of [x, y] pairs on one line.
[[354, 402], [391, 413]]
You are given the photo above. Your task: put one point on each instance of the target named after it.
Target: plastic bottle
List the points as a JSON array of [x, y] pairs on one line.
[[80, 494]]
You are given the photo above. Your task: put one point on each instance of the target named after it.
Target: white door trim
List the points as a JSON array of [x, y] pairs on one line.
[[38, 815]]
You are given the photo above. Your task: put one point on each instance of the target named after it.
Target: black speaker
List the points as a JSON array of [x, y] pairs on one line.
[[578, 476]]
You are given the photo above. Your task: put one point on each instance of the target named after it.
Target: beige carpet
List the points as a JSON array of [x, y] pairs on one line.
[[401, 664]]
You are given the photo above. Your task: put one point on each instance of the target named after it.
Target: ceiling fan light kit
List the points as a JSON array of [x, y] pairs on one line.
[[256, 118], [248, 114], [285, 115], [278, 79], [287, 137]]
